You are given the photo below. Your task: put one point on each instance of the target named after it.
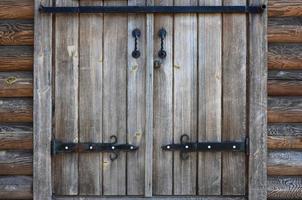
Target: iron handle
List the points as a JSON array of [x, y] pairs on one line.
[[136, 33], [162, 34]]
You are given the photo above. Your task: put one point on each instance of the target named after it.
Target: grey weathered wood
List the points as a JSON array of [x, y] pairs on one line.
[[65, 166], [278, 129], [155, 198], [209, 100], [185, 95], [285, 75], [90, 98], [257, 98], [16, 58], [115, 97], [13, 110], [163, 105], [284, 187], [136, 102], [16, 163], [149, 102], [16, 187], [234, 98]]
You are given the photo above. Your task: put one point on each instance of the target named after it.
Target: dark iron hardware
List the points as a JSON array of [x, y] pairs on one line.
[[162, 34], [154, 9], [136, 33], [58, 147], [186, 146]]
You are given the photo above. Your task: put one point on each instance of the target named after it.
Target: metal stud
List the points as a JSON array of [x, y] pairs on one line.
[[131, 147], [186, 146], [113, 147], [168, 147], [90, 147], [66, 148], [209, 147], [234, 147]]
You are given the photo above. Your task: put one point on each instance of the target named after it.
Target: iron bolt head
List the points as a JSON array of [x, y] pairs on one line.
[[168, 147], [131, 147], [186, 146], [66, 148], [234, 147], [113, 147], [209, 147], [90, 147]]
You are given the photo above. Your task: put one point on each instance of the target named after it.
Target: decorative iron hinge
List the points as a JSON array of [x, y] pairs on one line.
[[185, 146], [58, 147]]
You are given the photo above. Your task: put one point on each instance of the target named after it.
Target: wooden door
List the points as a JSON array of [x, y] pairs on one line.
[[209, 87]]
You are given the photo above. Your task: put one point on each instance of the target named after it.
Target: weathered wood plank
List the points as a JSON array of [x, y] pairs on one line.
[[284, 187], [115, 97], [284, 163], [16, 187], [90, 98], [16, 32], [284, 142], [65, 167], [285, 75], [234, 98], [136, 102], [16, 58], [16, 84], [185, 96], [153, 198], [278, 129], [16, 137], [16, 110], [16, 163], [285, 56], [283, 29], [284, 8], [284, 109], [209, 100], [284, 88], [163, 105], [20, 9]]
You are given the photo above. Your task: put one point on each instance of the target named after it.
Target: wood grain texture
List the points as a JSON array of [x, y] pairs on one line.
[[284, 8], [284, 142], [155, 198], [284, 129], [284, 187], [16, 84], [163, 105], [16, 110], [234, 98], [284, 88], [185, 96], [16, 32], [284, 56], [285, 29], [16, 163], [17, 9], [90, 98], [65, 166], [16, 58], [136, 103], [284, 163], [209, 99], [285, 75], [284, 109], [115, 97], [16, 187], [16, 137]]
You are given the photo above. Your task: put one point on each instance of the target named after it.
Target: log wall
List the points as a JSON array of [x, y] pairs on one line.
[[284, 91]]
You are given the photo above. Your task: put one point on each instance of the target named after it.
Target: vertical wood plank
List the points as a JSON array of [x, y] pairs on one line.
[[136, 102], [234, 98], [42, 103], [210, 94], [257, 177], [115, 96], [90, 98], [66, 98], [149, 102], [185, 95], [163, 107]]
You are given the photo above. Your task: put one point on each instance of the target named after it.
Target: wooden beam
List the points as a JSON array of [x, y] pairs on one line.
[[16, 163], [16, 84], [16, 137], [284, 142], [16, 187], [284, 8], [153, 198], [282, 129], [20, 9], [17, 32], [285, 75], [42, 188], [284, 187], [284, 88], [16, 110]]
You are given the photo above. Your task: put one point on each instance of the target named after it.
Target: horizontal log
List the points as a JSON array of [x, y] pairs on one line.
[[16, 84], [16, 187], [16, 32], [284, 29], [16, 137], [285, 109], [284, 88], [16, 110], [16, 9], [284, 142], [284, 8], [281, 129], [285, 56], [284, 187], [16, 58], [284, 163], [285, 75], [16, 163]]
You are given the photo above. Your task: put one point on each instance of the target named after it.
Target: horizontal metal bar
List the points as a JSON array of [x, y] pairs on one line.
[[154, 9]]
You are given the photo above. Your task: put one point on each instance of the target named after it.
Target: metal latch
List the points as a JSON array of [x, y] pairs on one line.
[[186, 146], [58, 147]]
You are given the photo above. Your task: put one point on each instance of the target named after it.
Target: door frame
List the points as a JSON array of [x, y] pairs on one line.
[[257, 107]]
